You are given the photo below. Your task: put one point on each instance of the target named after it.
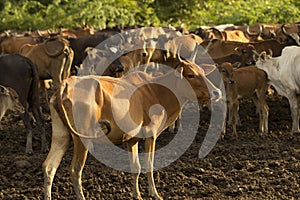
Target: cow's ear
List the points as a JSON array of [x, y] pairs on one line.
[[263, 56], [179, 72], [238, 50], [207, 68], [2, 89], [237, 65]]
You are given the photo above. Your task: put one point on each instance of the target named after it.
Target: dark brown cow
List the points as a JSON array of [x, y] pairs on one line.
[[287, 31], [80, 44], [20, 73]]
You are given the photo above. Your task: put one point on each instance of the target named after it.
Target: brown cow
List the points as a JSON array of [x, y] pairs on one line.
[[84, 30], [226, 35], [245, 82], [243, 56], [99, 103], [13, 44], [218, 48], [52, 57]]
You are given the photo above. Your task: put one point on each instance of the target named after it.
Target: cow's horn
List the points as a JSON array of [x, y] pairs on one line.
[[39, 33], [178, 52], [2, 89], [283, 30], [253, 34], [270, 52], [194, 54], [56, 51]]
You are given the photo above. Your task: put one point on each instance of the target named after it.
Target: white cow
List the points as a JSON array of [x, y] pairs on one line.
[[9, 100], [284, 74]]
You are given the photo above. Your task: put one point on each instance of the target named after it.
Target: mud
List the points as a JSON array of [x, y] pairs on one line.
[[249, 167]]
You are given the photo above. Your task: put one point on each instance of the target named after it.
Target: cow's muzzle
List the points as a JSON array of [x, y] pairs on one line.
[[216, 95], [119, 68], [231, 81]]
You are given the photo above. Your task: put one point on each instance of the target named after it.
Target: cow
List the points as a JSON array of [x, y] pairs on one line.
[[218, 48], [100, 99], [9, 100], [13, 44], [20, 74], [84, 30], [80, 44], [243, 56], [284, 75], [101, 62], [53, 59], [249, 82], [287, 32], [226, 35]]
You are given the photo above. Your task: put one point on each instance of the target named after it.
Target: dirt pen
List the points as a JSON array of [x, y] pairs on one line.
[[250, 167]]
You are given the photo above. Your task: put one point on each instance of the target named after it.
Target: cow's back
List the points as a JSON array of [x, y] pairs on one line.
[[289, 67]]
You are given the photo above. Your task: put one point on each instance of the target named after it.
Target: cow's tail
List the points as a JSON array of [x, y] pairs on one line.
[[104, 124], [69, 54], [33, 97]]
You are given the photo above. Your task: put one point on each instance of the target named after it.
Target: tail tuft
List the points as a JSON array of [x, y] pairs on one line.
[[105, 126]]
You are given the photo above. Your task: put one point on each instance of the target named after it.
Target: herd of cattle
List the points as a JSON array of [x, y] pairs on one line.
[[248, 58]]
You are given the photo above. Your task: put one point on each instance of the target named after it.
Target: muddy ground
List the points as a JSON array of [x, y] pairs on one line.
[[250, 167]]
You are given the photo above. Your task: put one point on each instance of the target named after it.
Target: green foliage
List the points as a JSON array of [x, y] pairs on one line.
[[52, 14]]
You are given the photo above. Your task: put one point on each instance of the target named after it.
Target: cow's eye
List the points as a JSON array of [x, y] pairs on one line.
[[191, 75]]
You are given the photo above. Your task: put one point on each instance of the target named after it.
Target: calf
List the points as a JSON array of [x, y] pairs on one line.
[[245, 82], [9, 100]]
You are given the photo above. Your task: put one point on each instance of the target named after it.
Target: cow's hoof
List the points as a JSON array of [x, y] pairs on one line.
[[29, 152], [45, 150]]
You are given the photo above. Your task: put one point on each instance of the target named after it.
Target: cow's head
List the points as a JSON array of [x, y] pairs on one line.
[[267, 63], [226, 71], [213, 33], [196, 76], [288, 34], [246, 53], [12, 99]]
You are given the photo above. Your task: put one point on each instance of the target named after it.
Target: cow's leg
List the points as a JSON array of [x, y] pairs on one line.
[[59, 145], [40, 124], [259, 108], [150, 150], [229, 110], [175, 126], [235, 110], [266, 117], [294, 112], [78, 161], [263, 110], [27, 122], [135, 166]]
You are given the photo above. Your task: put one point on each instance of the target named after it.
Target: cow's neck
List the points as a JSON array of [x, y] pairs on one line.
[[169, 93]]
